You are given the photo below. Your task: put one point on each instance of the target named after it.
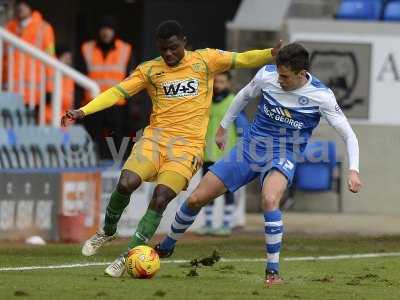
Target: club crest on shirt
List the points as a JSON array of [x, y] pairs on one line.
[[197, 67], [303, 100], [181, 88]]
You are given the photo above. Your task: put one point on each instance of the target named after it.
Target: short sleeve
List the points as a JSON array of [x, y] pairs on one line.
[[134, 83], [218, 60]]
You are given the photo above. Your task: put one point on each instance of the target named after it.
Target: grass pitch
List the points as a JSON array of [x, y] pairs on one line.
[[364, 278]]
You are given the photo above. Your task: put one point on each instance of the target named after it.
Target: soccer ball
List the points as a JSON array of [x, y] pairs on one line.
[[142, 262]]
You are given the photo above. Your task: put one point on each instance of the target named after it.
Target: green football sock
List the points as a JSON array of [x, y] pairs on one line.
[[114, 210], [146, 228]]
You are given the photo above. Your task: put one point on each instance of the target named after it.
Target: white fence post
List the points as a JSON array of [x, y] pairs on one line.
[[42, 91], [1, 62], [56, 101], [10, 65]]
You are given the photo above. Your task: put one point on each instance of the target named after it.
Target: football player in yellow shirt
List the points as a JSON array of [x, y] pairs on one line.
[[180, 84]]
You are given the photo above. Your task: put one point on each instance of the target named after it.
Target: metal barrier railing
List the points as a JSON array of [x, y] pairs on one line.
[[31, 53]]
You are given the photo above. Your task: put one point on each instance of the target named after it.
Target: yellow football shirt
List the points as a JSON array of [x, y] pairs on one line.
[[181, 95]]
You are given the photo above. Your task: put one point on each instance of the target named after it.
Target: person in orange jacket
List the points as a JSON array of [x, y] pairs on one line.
[[106, 60], [64, 55], [29, 25]]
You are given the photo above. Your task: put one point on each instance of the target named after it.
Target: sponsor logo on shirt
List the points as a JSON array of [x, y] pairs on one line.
[[181, 88], [282, 115]]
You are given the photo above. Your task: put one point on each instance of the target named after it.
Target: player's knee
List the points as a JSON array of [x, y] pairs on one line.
[[161, 198], [270, 201], [194, 202], [128, 183], [159, 203]]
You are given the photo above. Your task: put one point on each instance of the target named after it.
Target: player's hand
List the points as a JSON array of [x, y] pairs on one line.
[[276, 49], [71, 116], [220, 138], [354, 182]]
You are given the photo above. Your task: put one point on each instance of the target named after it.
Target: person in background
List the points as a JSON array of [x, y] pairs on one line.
[[29, 25], [106, 60], [222, 99], [64, 55]]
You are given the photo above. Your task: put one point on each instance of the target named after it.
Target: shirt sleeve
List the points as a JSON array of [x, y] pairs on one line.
[[252, 59], [241, 123], [331, 111], [250, 91], [219, 61], [105, 100], [133, 84]]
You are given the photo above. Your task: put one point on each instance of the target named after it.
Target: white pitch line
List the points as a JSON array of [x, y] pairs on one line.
[[346, 256], [228, 260], [52, 267]]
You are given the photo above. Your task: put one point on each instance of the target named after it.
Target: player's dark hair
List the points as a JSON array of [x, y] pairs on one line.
[[293, 56], [168, 29]]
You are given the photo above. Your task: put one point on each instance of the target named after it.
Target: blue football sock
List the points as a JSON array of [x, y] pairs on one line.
[[183, 219], [273, 238]]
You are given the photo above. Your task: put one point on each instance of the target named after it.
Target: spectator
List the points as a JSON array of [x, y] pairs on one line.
[[64, 55], [107, 60], [222, 99], [29, 25]]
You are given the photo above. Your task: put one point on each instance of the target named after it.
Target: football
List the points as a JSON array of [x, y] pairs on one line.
[[142, 262]]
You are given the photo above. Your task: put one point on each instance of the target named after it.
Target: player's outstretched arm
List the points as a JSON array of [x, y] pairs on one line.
[[339, 122], [101, 102], [349, 137], [256, 58]]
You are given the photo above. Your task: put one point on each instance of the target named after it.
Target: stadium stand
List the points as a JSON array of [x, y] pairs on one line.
[[24, 145], [360, 10]]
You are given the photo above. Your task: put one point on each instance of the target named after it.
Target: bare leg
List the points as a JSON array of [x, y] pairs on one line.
[[208, 189]]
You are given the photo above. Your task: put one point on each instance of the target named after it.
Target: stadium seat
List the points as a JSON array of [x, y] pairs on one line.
[[13, 111], [359, 10], [81, 147], [316, 172], [392, 11], [11, 100], [4, 155], [7, 118]]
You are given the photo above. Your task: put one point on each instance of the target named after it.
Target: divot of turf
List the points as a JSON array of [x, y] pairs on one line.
[[325, 279], [192, 273], [21, 293], [160, 293]]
